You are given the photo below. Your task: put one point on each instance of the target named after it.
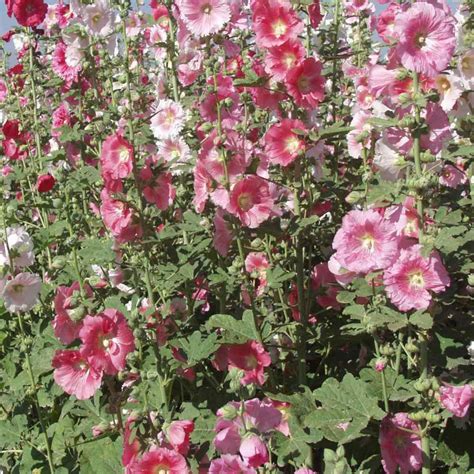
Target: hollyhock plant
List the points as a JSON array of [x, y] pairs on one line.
[[107, 339], [409, 281], [282, 144], [230, 464], [254, 451], [365, 242], [282, 59], [204, 17], [17, 250], [116, 158], [167, 119], [178, 434], [400, 448], [29, 12], [21, 293], [452, 177], [457, 400], [251, 201], [160, 460], [426, 38], [74, 374]]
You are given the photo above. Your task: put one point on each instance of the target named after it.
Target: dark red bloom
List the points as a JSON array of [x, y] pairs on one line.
[[29, 12], [45, 183]]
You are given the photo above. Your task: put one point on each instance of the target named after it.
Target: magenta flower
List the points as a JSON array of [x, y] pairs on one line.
[[178, 434], [116, 158], [427, 38], [158, 460], [365, 242], [230, 464], [204, 17], [282, 144], [410, 279], [281, 59], [456, 399], [400, 448], [254, 450]]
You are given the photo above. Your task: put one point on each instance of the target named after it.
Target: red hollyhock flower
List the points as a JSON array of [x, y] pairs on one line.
[[45, 183], [29, 12], [282, 144]]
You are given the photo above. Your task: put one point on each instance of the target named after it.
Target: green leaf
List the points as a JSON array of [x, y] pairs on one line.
[[102, 456], [276, 276], [387, 317], [237, 330], [198, 348], [421, 320]]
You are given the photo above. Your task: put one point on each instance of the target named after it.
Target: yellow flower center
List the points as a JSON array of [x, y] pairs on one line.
[[17, 288], [443, 84], [161, 469], [420, 40], [95, 18], [292, 144], [123, 155], [245, 201], [416, 279], [279, 28], [303, 84], [368, 242], [289, 59], [206, 8]]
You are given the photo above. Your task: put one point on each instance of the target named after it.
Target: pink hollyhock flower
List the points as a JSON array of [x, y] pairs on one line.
[[67, 300], [253, 450], [223, 233], [61, 117], [175, 151], [107, 340], [251, 201], [264, 415], [274, 23], [227, 439], [256, 264], [45, 183], [250, 357], [74, 375], [116, 158], [167, 120], [3, 90], [359, 137], [98, 18], [281, 59], [305, 470], [282, 144], [314, 12], [204, 17], [456, 399], [450, 89], [158, 460], [18, 248], [21, 293], [404, 217], [452, 177], [29, 12], [130, 448], [426, 38], [306, 84], [365, 242], [230, 464], [161, 192], [410, 279], [400, 448], [69, 73], [386, 23], [388, 161], [178, 434]]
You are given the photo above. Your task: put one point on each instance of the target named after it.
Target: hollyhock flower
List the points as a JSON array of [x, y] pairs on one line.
[[60, 66], [178, 434], [230, 464], [18, 248], [98, 18], [456, 399], [388, 161], [116, 158], [450, 88], [405, 218], [386, 23], [439, 129], [61, 117], [45, 183], [74, 375], [175, 151], [29, 12], [256, 264], [66, 302], [161, 192], [410, 279], [452, 177], [3, 90], [254, 451], [107, 339], [204, 17], [466, 68], [21, 293], [426, 38], [305, 470], [263, 415], [314, 12], [365, 242], [251, 202], [158, 460], [399, 448], [274, 23], [281, 59], [305, 83], [359, 137], [227, 439], [167, 120], [282, 144], [223, 233], [250, 357]]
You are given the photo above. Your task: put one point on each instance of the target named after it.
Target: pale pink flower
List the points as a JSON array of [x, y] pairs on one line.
[[410, 279], [426, 38], [68, 73], [21, 293], [167, 120], [341, 274], [99, 18], [254, 450], [404, 217], [204, 17], [116, 158], [466, 68], [107, 340], [251, 201], [18, 248], [230, 464], [365, 242], [178, 434], [282, 144], [400, 448], [450, 88], [456, 399], [360, 136], [175, 151], [388, 161], [74, 375]]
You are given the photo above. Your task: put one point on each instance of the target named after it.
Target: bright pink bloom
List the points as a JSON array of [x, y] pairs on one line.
[[254, 451], [61, 117], [160, 460], [282, 144], [314, 12], [29, 12], [452, 177], [107, 340], [74, 375], [281, 59], [230, 464], [365, 242], [45, 183], [251, 202], [274, 23], [400, 448], [386, 22], [404, 217], [116, 158], [456, 399], [410, 279], [427, 38], [204, 17], [250, 357], [306, 84], [161, 192], [178, 434], [130, 448], [68, 72]]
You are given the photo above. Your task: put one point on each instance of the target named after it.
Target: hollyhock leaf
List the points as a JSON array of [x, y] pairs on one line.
[[346, 297], [421, 319], [101, 456], [277, 276], [294, 447], [198, 347], [398, 387], [96, 252], [236, 330], [388, 317]]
